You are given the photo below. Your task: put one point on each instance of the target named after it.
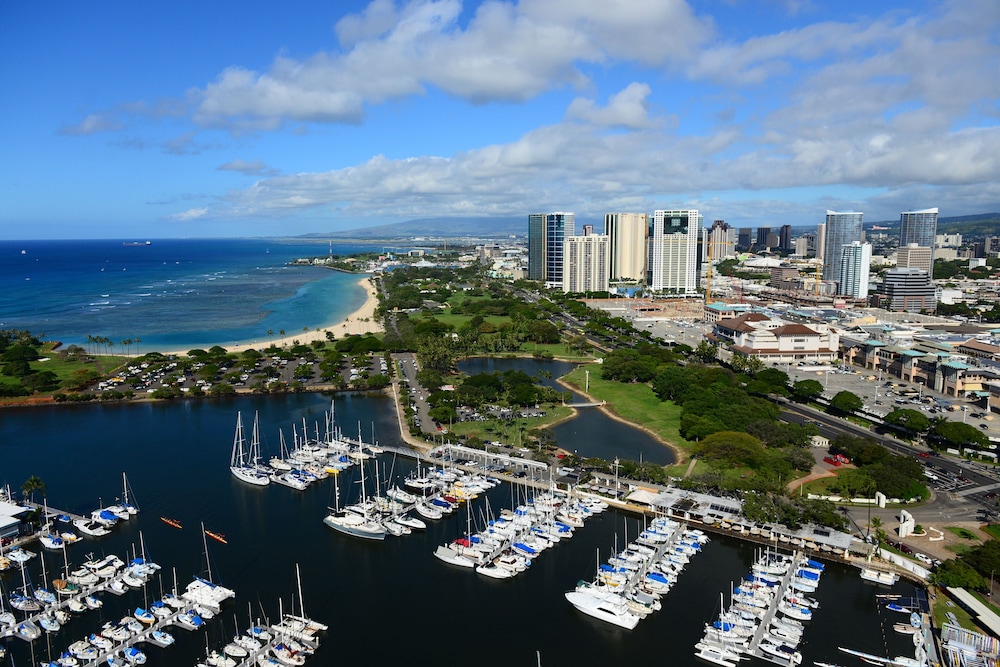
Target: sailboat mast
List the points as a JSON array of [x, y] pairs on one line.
[[208, 562], [302, 600]]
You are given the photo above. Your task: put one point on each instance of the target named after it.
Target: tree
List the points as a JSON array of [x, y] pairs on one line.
[[846, 402], [31, 485], [957, 434], [804, 391], [731, 448], [911, 420], [707, 351]]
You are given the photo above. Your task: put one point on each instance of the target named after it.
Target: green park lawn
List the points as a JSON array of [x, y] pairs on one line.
[[635, 403]]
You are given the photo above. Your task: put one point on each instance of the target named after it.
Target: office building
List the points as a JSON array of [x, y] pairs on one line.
[[627, 236], [744, 239], [719, 242], [914, 256], [547, 234], [673, 252], [842, 228], [919, 227], [762, 234], [785, 238], [587, 259], [909, 290], [855, 264]]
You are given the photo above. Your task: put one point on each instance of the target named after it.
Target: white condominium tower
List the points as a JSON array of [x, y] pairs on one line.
[[842, 228], [627, 234], [856, 260], [586, 263], [673, 252]]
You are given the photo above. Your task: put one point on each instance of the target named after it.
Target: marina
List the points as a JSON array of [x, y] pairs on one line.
[[350, 581]]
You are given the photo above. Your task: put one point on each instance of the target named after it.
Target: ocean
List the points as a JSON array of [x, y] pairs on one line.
[[173, 293]]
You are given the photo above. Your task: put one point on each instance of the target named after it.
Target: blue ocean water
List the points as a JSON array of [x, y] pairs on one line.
[[172, 293]]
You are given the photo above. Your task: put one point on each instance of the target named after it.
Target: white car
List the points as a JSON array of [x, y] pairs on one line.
[[923, 558]]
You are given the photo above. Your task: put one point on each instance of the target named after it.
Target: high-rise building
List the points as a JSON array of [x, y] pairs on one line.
[[762, 234], [627, 234], [909, 290], [785, 237], [719, 242], [744, 239], [673, 252], [547, 233], [855, 264], [914, 256], [586, 258], [802, 246], [842, 228], [918, 227]]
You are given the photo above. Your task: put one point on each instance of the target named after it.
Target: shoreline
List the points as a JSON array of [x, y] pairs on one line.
[[358, 322]]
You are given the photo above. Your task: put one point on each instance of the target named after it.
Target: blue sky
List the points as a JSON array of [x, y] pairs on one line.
[[151, 120]]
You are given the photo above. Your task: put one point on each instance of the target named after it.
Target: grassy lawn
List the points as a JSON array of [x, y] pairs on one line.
[[963, 533], [65, 369], [959, 549], [635, 403], [820, 487], [557, 350], [943, 605], [994, 530], [509, 432], [457, 321]]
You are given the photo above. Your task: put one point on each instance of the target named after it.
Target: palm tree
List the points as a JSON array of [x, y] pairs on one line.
[[136, 340], [32, 484]]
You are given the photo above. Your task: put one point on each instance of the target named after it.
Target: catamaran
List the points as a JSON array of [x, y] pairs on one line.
[[356, 522]]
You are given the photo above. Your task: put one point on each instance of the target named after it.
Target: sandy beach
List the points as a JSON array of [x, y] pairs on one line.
[[361, 321]]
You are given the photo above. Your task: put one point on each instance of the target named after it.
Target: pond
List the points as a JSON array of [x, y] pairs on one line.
[[591, 432]]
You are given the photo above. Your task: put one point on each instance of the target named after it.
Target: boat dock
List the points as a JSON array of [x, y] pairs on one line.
[[297, 635], [765, 621]]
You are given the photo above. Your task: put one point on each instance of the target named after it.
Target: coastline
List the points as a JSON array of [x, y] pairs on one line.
[[359, 322]]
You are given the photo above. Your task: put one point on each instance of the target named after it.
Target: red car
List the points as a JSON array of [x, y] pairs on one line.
[[925, 455]]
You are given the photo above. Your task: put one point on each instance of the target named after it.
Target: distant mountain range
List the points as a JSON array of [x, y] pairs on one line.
[[981, 224], [449, 228], [477, 228]]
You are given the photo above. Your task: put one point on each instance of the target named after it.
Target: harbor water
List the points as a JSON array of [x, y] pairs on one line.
[[386, 603]]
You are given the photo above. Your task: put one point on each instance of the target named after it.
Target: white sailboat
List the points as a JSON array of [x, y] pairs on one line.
[[243, 461]]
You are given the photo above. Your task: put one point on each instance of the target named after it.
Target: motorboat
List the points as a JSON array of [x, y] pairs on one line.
[[607, 607]]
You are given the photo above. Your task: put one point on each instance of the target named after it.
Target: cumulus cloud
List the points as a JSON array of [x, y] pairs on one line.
[[508, 51], [627, 109]]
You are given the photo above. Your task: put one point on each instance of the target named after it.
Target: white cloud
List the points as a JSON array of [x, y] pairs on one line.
[[508, 51], [190, 214], [374, 21], [628, 109]]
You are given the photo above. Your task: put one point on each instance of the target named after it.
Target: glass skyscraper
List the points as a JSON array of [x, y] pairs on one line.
[[842, 228], [546, 235], [918, 227]]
